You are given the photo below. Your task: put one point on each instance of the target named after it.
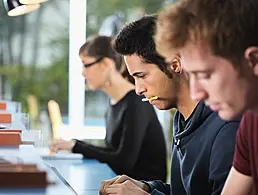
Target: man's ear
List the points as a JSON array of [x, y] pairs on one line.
[[251, 55], [176, 65]]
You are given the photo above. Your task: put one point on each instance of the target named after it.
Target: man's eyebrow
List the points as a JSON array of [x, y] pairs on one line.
[[136, 74], [143, 61], [198, 71]]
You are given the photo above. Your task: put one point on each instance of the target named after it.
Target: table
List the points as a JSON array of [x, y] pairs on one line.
[[71, 176], [28, 154], [84, 176]]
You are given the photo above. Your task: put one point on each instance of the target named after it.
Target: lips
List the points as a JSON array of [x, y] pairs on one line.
[[215, 107], [151, 101]]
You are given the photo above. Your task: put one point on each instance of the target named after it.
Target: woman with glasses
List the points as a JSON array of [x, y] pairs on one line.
[[135, 143]]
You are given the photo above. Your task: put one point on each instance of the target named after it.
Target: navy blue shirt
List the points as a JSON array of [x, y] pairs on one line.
[[202, 154]]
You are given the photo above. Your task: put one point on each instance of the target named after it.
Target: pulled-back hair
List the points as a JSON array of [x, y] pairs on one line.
[[100, 46]]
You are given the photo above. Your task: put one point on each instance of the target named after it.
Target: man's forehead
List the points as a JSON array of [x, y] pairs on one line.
[[195, 58], [194, 65], [133, 58], [135, 62]]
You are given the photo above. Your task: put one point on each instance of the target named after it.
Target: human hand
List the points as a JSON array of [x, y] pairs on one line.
[[60, 144], [121, 179], [106, 183], [125, 188]]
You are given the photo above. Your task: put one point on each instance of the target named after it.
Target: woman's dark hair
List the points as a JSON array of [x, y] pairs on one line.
[[100, 46]]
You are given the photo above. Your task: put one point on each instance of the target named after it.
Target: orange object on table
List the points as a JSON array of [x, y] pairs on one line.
[[10, 138], [21, 175], [5, 117], [3, 105], [23, 179], [10, 130]]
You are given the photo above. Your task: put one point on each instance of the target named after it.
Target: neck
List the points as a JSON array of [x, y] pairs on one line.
[[185, 104], [118, 88]]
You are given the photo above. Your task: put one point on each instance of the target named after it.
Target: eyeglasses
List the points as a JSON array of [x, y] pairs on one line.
[[92, 63]]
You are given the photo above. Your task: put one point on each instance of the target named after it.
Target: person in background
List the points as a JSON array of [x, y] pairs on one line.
[[135, 143], [203, 144], [219, 46]]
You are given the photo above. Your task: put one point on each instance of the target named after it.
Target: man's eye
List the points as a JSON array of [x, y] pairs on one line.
[[141, 76], [203, 76]]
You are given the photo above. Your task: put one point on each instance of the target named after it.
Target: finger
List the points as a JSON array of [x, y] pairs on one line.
[[115, 185], [113, 189], [54, 143], [102, 191], [52, 148], [115, 193], [102, 188], [62, 146], [112, 181], [105, 184], [122, 179]]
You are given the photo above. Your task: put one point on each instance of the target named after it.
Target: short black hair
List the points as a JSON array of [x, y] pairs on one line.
[[137, 38]]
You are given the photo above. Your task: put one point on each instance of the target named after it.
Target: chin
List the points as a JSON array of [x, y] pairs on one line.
[[92, 88], [162, 106], [228, 115]]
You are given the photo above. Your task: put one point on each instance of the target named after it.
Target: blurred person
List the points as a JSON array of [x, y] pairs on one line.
[[135, 143], [219, 45], [112, 24], [201, 158]]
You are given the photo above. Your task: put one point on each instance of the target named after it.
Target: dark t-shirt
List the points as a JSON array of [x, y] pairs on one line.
[[246, 151], [134, 138]]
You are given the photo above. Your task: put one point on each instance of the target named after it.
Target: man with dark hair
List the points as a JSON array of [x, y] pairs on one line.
[[201, 159], [219, 45]]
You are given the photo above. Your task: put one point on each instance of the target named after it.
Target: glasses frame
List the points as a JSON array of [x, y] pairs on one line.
[[92, 63]]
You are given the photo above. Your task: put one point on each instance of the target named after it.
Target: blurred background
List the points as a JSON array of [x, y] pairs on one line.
[[35, 56]]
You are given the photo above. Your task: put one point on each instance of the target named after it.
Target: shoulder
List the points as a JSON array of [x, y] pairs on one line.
[[249, 121], [225, 137], [248, 127], [218, 129], [232, 124], [224, 141], [221, 124]]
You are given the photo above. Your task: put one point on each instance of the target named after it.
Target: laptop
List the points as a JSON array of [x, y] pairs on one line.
[[62, 154]]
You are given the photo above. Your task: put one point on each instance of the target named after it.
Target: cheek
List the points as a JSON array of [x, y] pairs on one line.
[[227, 84], [215, 85], [223, 87], [163, 86], [236, 91], [89, 75], [154, 80], [85, 73]]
